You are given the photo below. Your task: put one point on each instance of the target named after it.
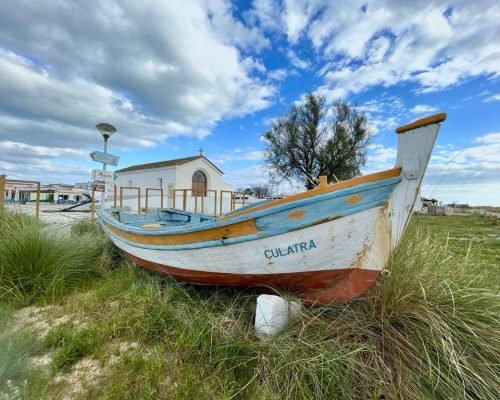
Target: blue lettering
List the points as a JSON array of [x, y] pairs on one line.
[[291, 249]]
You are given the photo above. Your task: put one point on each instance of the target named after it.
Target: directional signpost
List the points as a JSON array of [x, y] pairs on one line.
[[106, 176], [102, 180], [104, 158], [99, 186]]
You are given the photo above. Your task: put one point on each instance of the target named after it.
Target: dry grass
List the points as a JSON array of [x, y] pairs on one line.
[[429, 331]]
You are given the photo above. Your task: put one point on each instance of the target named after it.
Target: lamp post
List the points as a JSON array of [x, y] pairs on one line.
[[106, 130]]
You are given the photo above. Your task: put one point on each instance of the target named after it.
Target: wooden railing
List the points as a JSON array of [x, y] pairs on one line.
[[147, 194], [197, 201], [138, 196]]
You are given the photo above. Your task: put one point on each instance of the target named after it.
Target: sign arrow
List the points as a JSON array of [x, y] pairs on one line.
[[101, 157]]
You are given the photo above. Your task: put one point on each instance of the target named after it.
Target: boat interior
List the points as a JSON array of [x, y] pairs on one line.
[[159, 218]]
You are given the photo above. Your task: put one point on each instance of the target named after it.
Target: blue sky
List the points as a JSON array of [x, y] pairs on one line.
[[176, 76]]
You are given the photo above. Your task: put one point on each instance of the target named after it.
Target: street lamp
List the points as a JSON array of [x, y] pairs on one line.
[[106, 130]]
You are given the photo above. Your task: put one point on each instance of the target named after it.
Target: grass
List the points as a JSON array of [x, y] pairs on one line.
[[429, 331], [39, 264]]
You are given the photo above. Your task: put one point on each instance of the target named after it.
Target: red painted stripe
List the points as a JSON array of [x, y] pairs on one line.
[[323, 287]]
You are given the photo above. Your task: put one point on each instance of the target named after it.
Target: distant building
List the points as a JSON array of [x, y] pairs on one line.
[[428, 202], [195, 176], [49, 193], [459, 207], [196, 173], [83, 185]]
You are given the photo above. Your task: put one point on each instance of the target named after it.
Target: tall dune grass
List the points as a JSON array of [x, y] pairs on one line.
[[37, 263], [428, 331]]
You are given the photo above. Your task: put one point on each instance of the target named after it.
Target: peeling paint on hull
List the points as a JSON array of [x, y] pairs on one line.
[[326, 245]]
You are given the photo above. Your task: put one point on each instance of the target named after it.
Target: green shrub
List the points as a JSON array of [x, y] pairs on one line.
[[37, 263]]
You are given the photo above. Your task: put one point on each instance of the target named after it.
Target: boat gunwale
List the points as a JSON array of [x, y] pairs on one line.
[[334, 187], [205, 226], [243, 238], [202, 226]]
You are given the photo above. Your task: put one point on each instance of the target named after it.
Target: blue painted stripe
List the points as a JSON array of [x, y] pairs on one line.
[[276, 230], [381, 188]]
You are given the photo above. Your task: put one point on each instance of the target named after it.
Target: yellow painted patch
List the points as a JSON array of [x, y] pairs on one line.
[[433, 119], [354, 199], [297, 214], [223, 232]]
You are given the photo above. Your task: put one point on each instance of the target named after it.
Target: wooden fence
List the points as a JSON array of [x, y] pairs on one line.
[[208, 202]]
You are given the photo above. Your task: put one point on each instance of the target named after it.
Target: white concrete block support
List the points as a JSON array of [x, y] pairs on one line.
[[272, 314]]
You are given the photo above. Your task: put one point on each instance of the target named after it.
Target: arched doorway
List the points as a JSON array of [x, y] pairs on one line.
[[199, 184]]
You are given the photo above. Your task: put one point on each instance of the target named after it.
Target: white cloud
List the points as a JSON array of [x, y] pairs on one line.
[[21, 151], [278, 74], [179, 64], [470, 174], [243, 177], [267, 13], [422, 109], [495, 97], [154, 70], [491, 138], [380, 156], [296, 61], [474, 169], [238, 154], [388, 42]]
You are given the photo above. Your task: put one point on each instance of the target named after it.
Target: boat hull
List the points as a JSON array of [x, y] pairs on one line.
[[331, 261], [322, 287], [327, 245]]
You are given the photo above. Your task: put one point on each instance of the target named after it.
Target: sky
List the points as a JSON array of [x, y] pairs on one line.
[[176, 76]]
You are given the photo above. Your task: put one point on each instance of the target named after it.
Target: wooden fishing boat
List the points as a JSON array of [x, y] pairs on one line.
[[328, 244]]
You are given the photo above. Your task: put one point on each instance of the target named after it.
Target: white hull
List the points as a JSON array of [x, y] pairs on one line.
[[337, 245]]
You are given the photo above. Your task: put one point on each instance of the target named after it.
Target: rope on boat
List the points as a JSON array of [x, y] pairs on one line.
[[446, 168]]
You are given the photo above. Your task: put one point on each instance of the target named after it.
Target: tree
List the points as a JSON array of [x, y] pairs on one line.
[[312, 140], [261, 191]]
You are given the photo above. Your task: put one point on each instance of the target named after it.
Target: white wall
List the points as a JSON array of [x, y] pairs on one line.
[[184, 175], [146, 179], [181, 177]]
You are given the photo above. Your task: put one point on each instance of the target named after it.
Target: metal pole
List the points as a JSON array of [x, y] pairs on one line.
[[2, 192], [92, 206], [103, 195], [38, 200]]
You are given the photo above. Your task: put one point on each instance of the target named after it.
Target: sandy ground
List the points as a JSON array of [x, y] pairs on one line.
[[86, 372], [48, 215]]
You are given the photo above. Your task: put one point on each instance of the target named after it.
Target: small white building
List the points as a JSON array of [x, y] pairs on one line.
[[196, 178]]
